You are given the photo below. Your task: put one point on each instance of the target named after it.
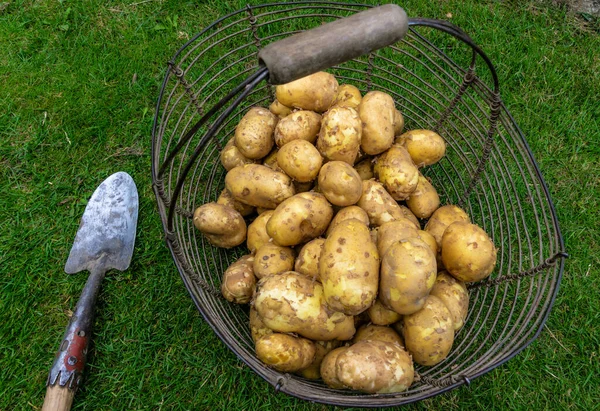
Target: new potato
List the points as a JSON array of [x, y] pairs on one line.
[[221, 225], [307, 262], [272, 259], [340, 135], [226, 199], [348, 96], [424, 200], [454, 295], [377, 333], [300, 160], [232, 157], [237, 285], [393, 232], [379, 314], [257, 231], [322, 348], [315, 92], [378, 204], [340, 183], [254, 133], [258, 185], [376, 111], [365, 169], [425, 147], [397, 172], [284, 352], [348, 213], [299, 125]]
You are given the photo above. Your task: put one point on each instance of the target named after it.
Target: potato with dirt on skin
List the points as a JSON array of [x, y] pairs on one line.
[[271, 161], [378, 203], [315, 92], [377, 333], [294, 303], [424, 200], [257, 231], [425, 147], [408, 272], [322, 348], [226, 199], [254, 133], [340, 183], [328, 369], [454, 295], [299, 219], [397, 172], [409, 215], [468, 253], [393, 232], [429, 240], [349, 268], [398, 122], [232, 157], [221, 225], [300, 160], [442, 218], [279, 109], [348, 213], [272, 259], [307, 262], [299, 125], [340, 135], [365, 169], [284, 352], [429, 333], [376, 111], [347, 96], [258, 185], [258, 329], [237, 285], [379, 314]]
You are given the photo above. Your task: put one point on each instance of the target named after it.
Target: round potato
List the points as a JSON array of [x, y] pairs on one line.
[[285, 353], [393, 232], [328, 368], [239, 281], [468, 253], [408, 271], [347, 96], [425, 147], [307, 262], [221, 225], [232, 157], [424, 200], [348, 213], [339, 138], [377, 333], [398, 122], [454, 295], [429, 333], [315, 92], [376, 111], [300, 160], [340, 183], [429, 240], [322, 348], [379, 314], [254, 133], [272, 259], [258, 185], [257, 231], [279, 109], [258, 329], [300, 219], [365, 169], [271, 161], [227, 199], [378, 204], [299, 125], [442, 218], [397, 172]]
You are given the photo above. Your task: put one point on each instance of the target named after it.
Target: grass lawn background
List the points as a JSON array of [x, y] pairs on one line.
[[78, 85]]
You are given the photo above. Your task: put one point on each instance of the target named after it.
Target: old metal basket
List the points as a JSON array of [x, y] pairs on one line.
[[439, 80]]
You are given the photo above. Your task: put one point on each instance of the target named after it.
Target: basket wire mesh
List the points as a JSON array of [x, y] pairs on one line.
[[437, 80]]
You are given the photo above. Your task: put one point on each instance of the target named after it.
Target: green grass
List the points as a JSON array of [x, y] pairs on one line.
[[78, 85]]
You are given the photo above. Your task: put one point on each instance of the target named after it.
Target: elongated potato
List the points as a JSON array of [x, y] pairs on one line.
[[393, 232], [397, 172], [454, 295], [379, 314], [257, 231], [340, 135], [424, 200], [378, 203], [254, 133], [365, 169], [226, 199], [425, 147], [258, 329], [398, 122], [376, 111], [221, 225], [340, 183], [315, 92], [300, 160], [307, 262], [322, 348], [294, 303], [348, 96], [328, 368], [272, 259], [238, 283], [348, 213], [284, 352], [409, 215], [349, 268], [279, 109], [377, 333], [232, 157], [299, 125], [258, 185], [442, 218]]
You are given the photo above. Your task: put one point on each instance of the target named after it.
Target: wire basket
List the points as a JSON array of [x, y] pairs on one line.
[[440, 80]]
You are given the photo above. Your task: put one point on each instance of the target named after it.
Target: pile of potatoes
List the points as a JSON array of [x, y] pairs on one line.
[[345, 280]]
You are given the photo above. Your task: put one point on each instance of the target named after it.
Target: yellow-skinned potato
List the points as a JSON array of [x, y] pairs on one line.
[[377, 333], [271, 161], [279, 109], [348, 213], [294, 303], [376, 111], [272, 259], [348, 96], [424, 200], [237, 285], [408, 271], [340, 135], [378, 203], [315, 92], [349, 268], [307, 262], [300, 160], [257, 231], [365, 169], [454, 295], [221, 225], [375, 367], [442, 218], [409, 215], [322, 348], [429, 240], [232, 157], [393, 232], [258, 185], [397, 172], [254, 133], [299, 125], [468, 253], [328, 368], [300, 219], [398, 122], [425, 147], [284, 352], [429, 333], [340, 183], [258, 329], [381, 315], [227, 199]]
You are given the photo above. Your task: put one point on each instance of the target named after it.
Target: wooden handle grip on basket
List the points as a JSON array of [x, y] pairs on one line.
[[333, 43]]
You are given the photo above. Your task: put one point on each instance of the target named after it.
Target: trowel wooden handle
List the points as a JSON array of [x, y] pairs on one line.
[[58, 398]]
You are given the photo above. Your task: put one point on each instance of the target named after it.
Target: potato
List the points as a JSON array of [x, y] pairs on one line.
[[365, 169], [227, 199], [315, 92], [424, 200], [378, 203], [349, 268], [397, 172], [299, 125], [322, 348], [429, 240], [468, 253], [442, 218], [221, 225], [328, 368], [375, 367], [340, 135], [271, 161], [454, 295], [232, 157], [258, 329], [300, 160], [307, 262], [254, 133], [376, 111], [300, 219], [347, 96], [377, 333], [279, 109], [409, 215], [398, 122], [393, 232], [294, 303], [340, 183], [425, 147], [429, 333], [272, 259], [258, 185], [237, 285], [408, 271], [379, 314], [257, 231], [348, 213], [285, 353]]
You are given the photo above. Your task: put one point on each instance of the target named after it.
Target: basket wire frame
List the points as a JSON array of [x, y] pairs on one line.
[[489, 170]]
